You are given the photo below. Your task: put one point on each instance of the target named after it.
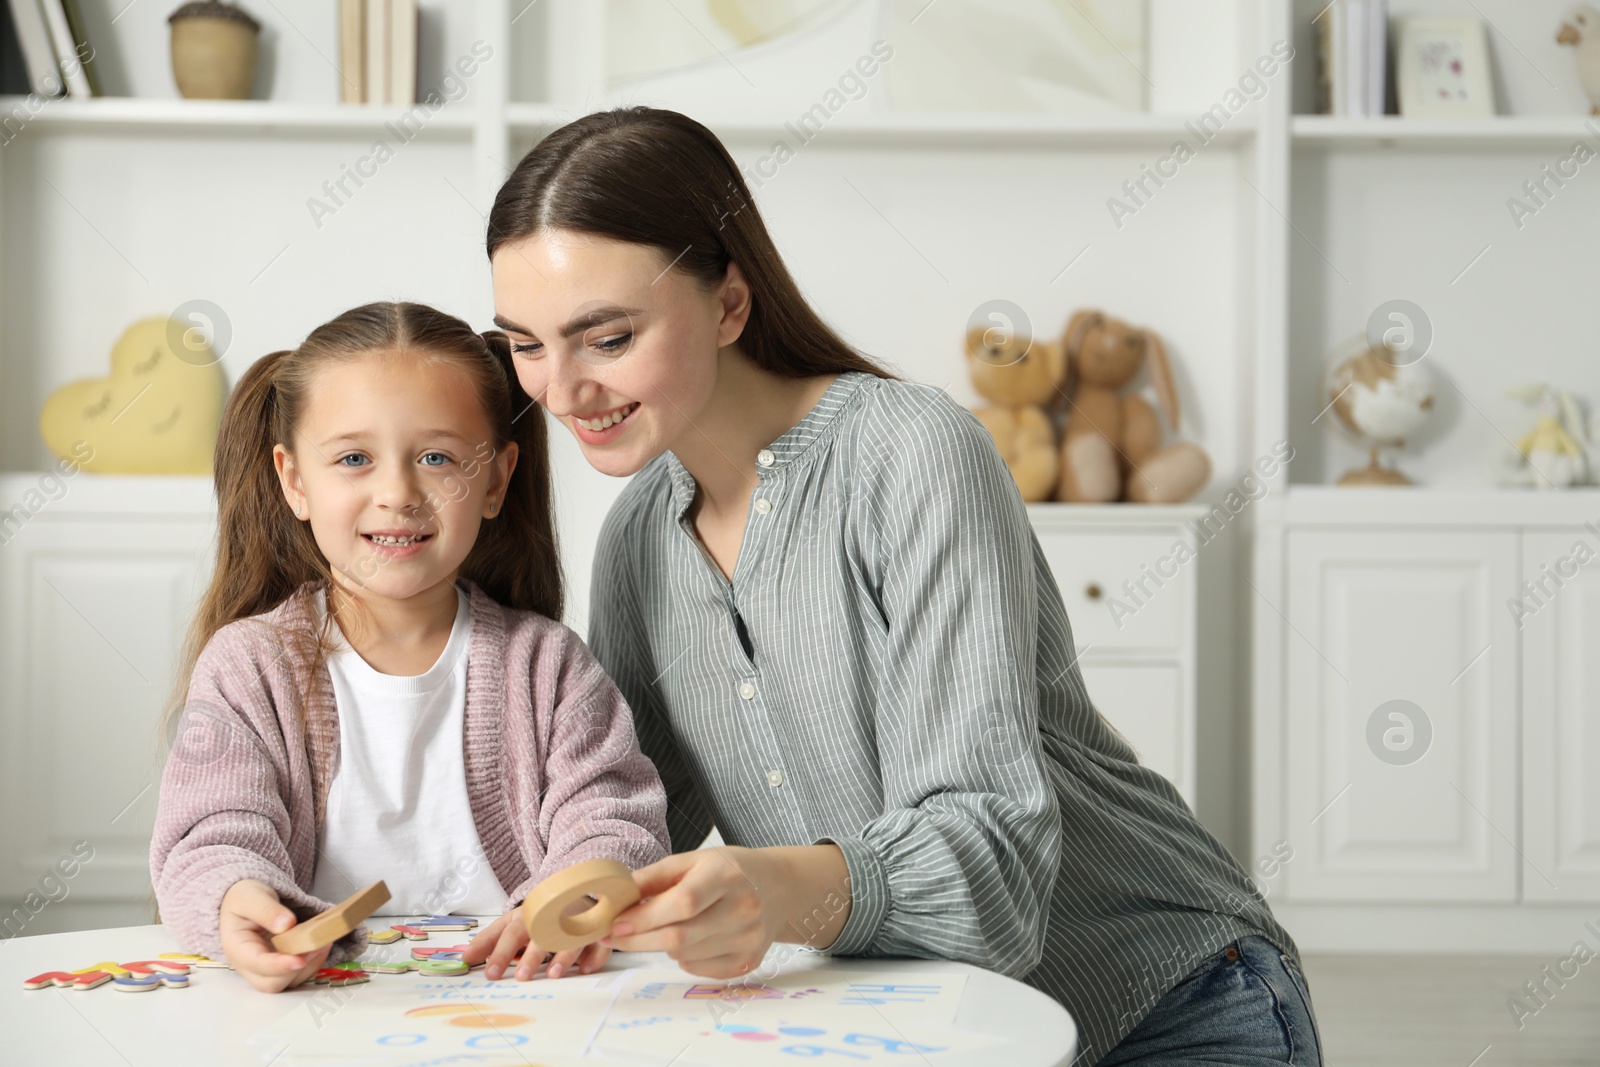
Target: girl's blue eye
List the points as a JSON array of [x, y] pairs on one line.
[[443, 459], [353, 455]]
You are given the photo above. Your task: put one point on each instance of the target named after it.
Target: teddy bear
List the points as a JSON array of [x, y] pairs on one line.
[[1019, 377], [1111, 447]]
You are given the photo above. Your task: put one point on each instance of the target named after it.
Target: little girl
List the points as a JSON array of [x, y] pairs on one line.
[[376, 683]]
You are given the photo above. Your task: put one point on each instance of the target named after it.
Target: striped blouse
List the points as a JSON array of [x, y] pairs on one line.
[[891, 669]]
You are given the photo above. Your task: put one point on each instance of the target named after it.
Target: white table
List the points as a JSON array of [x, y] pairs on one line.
[[211, 1021]]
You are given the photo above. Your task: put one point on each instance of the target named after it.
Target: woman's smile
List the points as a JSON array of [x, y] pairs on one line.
[[600, 427]]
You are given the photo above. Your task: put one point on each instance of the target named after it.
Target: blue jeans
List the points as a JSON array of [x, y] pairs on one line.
[[1246, 1005]]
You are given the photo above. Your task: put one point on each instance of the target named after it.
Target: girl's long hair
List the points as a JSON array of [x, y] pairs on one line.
[[658, 178], [265, 555]]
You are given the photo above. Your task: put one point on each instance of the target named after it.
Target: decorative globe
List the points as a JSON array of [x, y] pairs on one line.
[[1379, 400]]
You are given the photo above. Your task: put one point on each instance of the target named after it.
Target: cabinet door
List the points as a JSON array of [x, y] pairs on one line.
[[1145, 702], [1401, 715], [1561, 716], [93, 619]]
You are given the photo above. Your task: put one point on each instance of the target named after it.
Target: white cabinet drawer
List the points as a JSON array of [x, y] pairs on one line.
[[1122, 588], [1145, 702]]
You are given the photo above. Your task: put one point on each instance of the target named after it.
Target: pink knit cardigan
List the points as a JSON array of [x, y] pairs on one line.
[[554, 771]]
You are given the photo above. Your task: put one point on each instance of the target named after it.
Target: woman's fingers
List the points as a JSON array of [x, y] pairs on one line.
[[725, 927], [662, 875], [704, 911], [676, 890], [732, 966]]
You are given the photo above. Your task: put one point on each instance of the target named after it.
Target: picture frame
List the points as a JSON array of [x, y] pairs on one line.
[[1442, 68]]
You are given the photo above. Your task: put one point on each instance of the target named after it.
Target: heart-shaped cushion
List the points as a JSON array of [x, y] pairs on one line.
[[157, 413]]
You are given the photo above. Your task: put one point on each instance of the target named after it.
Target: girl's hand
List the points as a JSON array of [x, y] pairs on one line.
[[251, 914], [498, 944], [718, 910]]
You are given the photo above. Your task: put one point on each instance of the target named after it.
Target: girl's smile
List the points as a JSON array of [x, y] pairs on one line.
[[396, 544]]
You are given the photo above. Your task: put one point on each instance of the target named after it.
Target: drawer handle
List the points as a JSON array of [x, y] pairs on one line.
[[1092, 590]]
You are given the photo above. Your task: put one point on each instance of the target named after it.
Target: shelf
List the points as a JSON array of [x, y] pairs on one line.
[[920, 130], [95, 496], [1100, 516], [111, 113], [1332, 505], [1505, 133], [908, 130]]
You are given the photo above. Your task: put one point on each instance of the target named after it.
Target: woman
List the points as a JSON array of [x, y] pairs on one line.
[[842, 645]]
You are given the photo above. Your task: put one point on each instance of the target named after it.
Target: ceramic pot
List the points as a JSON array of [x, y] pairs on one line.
[[213, 51]]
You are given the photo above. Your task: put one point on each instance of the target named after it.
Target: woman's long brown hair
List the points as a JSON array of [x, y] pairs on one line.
[[265, 555], [659, 178]]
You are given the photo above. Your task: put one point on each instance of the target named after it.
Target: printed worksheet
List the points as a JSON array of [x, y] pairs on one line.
[[903, 997], [399, 1019], [863, 1017]]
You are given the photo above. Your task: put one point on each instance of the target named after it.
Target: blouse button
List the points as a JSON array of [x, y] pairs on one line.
[[766, 458], [747, 690], [774, 778], [763, 505]]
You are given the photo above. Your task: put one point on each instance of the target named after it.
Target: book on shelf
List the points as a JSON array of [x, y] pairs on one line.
[[80, 45], [38, 54], [1353, 58], [71, 49], [378, 51], [13, 66], [402, 51], [352, 52]]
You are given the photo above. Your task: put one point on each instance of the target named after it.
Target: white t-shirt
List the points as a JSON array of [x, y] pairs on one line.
[[397, 807]]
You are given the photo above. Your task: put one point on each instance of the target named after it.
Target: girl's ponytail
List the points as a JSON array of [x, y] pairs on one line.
[[263, 553]]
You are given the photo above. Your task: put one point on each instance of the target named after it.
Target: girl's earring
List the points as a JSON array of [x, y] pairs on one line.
[[298, 511]]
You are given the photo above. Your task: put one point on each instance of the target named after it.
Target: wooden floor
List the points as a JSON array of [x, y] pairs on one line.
[[1452, 1011]]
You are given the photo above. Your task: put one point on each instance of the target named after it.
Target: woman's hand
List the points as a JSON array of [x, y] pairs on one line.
[[718, 910], [497, 944], [250, 915]]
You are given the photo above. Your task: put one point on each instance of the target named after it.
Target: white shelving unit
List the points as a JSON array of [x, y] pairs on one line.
[[1412, 741], [1267, 248]]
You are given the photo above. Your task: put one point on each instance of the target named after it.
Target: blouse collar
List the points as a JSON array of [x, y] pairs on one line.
[[790, 447]]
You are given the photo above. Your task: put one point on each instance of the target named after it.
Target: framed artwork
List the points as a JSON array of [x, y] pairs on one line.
[[1442, 67], [765, 58], [646, 38], [1058, 56]]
